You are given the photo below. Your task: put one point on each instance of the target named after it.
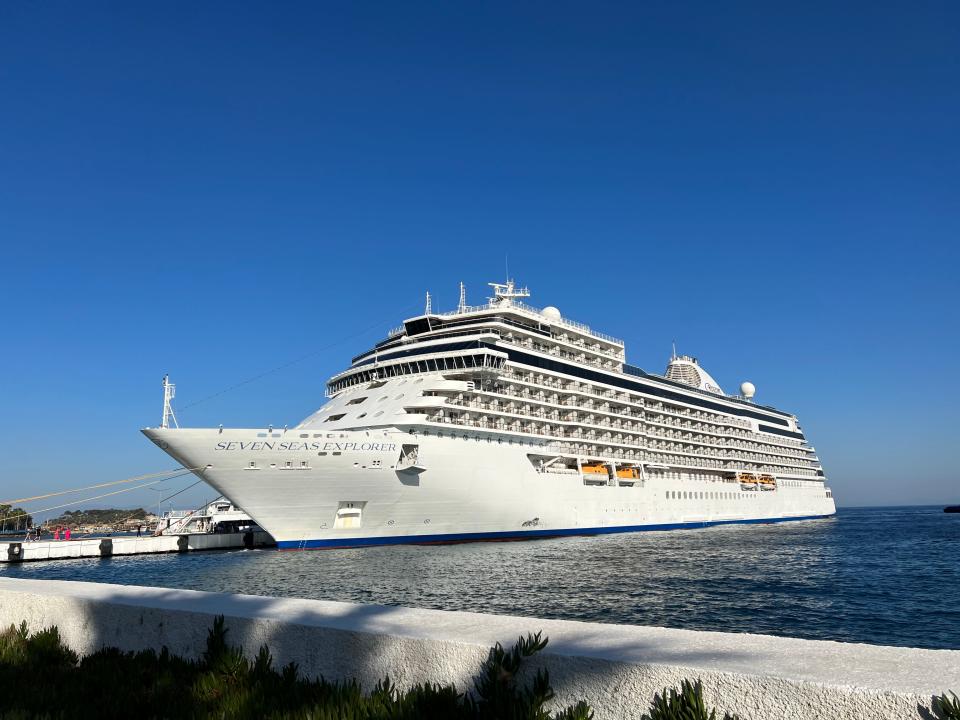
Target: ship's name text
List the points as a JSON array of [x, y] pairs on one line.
[[293, 446]]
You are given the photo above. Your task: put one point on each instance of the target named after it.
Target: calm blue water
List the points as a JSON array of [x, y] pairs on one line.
[[887, 576]]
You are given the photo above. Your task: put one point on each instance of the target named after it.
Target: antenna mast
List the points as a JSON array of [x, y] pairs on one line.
[[462, 305], [506, 292], [169, 392]]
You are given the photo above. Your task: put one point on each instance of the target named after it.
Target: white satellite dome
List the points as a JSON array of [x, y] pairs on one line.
[[748, 390], [551, 313]]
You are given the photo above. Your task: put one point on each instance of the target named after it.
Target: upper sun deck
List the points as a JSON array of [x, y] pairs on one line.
[[523, 328], [505, 302]]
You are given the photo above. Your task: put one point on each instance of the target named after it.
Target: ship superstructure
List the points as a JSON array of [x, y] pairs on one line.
[[506, 421]]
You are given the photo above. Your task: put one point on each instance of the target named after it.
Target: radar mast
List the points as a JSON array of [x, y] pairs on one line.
[[506, 293]]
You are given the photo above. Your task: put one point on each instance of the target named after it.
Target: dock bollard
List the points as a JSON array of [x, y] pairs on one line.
[[106, 547], [15, 552]]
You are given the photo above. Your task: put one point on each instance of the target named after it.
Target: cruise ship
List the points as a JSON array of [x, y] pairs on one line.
[[500, 422]]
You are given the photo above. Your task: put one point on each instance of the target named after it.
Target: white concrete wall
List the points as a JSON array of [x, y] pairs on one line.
[[616, 668]]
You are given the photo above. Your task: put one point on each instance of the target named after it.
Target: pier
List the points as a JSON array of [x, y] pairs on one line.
[[103, 547]]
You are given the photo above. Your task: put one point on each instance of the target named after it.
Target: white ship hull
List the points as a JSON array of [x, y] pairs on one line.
[[463, 487]]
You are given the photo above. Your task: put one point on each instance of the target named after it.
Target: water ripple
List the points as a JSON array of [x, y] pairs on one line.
[[887, 576]]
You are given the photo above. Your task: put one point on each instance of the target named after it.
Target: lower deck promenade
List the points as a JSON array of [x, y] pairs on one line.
[[615, 668]]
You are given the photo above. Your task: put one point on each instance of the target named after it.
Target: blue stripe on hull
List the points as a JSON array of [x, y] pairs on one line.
[[514, 534]]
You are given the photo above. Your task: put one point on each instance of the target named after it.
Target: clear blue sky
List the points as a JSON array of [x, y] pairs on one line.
[[216, 189]]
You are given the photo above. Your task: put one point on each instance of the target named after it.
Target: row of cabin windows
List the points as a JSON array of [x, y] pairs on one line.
[[703, 495]]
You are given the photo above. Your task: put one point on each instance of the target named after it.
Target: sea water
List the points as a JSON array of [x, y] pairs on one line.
[[888, 576]]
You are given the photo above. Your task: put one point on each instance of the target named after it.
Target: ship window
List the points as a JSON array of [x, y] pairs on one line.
[[378, 413], [304, 435], [399, 397], [303, 463], [357, 401], [385, 397], [322, 453], [332, 418], [361, 415], [253, 464]]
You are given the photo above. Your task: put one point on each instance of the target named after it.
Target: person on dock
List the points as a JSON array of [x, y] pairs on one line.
[[66, 533], [56, 533], [139, 528], [37, 531]]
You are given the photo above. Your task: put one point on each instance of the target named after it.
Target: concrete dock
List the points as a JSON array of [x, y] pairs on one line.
[[616, 668], [21, 551]]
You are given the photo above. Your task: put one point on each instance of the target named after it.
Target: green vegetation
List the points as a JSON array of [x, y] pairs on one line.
[[947, 706], [14, 518], [40, 677], [98, 517], [684, 704]]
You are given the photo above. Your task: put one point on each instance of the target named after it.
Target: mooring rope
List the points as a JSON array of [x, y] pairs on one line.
[[98, 497], [135, 478]]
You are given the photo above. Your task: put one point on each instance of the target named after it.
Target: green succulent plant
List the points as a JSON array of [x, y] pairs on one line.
[[684, 704]]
